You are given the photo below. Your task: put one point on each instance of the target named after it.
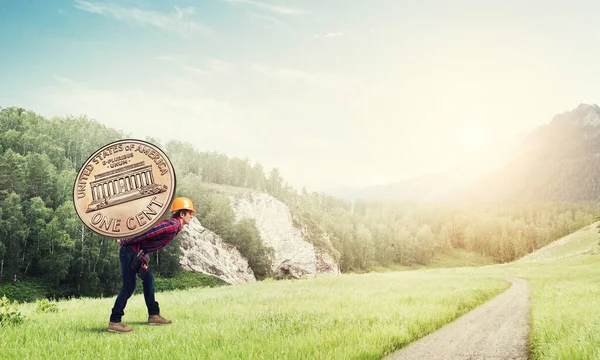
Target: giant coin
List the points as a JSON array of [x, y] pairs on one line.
[[124, 188]]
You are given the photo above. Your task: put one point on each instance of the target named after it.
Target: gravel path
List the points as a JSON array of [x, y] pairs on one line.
[[498, 329]]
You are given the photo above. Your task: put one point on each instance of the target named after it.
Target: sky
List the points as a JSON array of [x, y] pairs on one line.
[[331, 92]]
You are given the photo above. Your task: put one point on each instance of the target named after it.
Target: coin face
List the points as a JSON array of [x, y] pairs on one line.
[[124, 188]]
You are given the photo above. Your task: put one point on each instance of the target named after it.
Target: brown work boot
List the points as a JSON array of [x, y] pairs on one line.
[[158, 320], [119, 327]]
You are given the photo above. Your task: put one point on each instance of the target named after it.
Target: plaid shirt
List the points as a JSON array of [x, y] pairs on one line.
[[157, 237]]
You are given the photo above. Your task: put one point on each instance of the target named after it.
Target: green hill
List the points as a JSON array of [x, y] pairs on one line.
[[563, 278], [582, 242]]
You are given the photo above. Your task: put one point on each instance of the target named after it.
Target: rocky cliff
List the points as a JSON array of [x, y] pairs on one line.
[[294, 255], [205, 251]]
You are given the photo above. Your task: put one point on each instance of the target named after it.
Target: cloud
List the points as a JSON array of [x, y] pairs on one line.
[[212, 66], [220, 66], [320, 80], [330, 35], [89, 7], [283, 73], [266, 21], [65, 81], [167, 58], [195, 71], [177, 22], [283, 10]]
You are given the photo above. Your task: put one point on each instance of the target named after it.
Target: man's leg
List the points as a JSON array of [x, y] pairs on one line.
[[154, 317], [151, 303], [125, 256]]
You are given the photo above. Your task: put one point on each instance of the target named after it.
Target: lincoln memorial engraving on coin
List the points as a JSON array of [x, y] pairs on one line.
[[124, 188]]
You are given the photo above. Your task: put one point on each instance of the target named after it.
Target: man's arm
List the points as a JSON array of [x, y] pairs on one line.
[[152, 232]]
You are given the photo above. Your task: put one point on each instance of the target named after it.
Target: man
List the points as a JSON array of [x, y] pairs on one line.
[[152, 240]]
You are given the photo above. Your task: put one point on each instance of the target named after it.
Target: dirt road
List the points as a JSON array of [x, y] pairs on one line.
[[498, 329]]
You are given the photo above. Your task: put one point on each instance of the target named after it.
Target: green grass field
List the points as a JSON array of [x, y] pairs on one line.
[[358, 316], [564, 280], [565, 321], [348, 317], [565, 295], [451, 258]]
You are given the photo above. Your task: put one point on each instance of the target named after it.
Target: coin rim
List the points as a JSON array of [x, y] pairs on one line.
[[157, 218]]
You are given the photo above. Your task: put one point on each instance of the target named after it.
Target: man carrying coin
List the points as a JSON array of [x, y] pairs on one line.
[[152, 240]]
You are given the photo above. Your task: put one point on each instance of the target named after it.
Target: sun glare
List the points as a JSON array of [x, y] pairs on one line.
[[474, 138]]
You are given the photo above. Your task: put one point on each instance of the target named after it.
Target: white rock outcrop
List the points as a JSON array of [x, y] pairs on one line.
[[294, 256], [205, 251]]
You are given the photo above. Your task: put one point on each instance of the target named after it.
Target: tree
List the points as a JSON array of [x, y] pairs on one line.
[[183, 157], [41, 176], [275, 182], [426, 239], [239, 171], [37, 215], [55, 252], [245, 237], [11, 119], [11, 173], [363, 244], [165, 262], [11, 139], [14, 232], [63, 189], [257, 178]]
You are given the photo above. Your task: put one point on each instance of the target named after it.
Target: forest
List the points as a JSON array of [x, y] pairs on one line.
[[41, 236]]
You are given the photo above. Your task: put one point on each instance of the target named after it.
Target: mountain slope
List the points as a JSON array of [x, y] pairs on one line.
[[559, 161]]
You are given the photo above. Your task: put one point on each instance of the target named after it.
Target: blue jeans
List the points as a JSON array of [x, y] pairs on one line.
[[129, 281]]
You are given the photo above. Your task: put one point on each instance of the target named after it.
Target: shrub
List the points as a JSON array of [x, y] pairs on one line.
[[27, 289], [246, 238], [45, 306], [187, 280], [9, 312]]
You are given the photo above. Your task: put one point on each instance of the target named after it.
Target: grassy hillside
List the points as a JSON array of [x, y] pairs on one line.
[[584, 241], [565, 288]]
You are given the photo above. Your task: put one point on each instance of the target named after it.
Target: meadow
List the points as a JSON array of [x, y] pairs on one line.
[[564, 281], [564, 286], [356, 316], [347, 317]]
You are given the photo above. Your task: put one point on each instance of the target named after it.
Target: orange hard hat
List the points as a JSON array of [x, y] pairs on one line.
[[182, 203]]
